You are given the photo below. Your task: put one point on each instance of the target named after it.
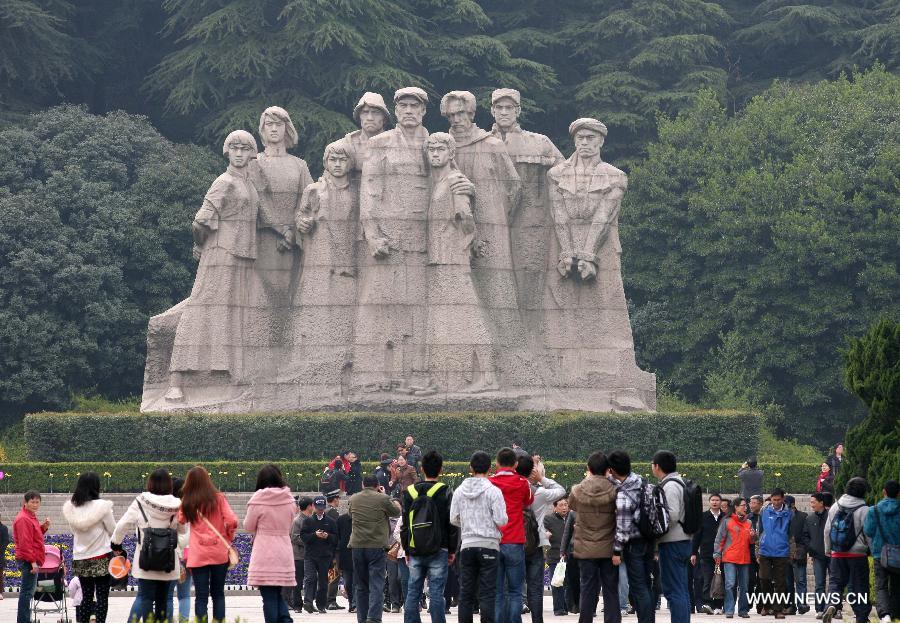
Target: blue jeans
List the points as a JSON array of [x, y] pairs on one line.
[[852, 574], [275, 608], [820, 574], [368, 579], [403, 570], [435, 568], [736, 576], [152, 599], [638, 562], [184, 600], [674, 558], [510, 577], [623, 587], [209, 581], [797, 584], [26, 593]]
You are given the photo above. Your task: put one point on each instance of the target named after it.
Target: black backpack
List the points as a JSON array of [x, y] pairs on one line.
[[532, 535], [328, 479], [426, 530], [157, 546], [692, 505], [653, 511]]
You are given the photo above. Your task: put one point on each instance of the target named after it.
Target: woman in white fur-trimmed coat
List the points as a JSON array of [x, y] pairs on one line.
[[92, 523]]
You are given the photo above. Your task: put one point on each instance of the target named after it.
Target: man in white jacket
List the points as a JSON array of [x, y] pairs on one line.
[[479, 510]]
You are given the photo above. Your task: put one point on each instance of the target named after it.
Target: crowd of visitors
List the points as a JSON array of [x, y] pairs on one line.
[[615, 541]]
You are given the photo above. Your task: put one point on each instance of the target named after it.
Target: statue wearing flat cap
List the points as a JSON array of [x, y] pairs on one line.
[[530, 225], [373, 118], [586, 327]]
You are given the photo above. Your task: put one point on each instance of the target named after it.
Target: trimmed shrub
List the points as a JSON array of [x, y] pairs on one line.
[[700, 435], [304, 475]]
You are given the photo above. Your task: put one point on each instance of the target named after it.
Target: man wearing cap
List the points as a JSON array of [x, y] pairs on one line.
[[482, 158], [319, 534], [585, 314], [532, 154], [373, 117], [389, 349], [333, 500]]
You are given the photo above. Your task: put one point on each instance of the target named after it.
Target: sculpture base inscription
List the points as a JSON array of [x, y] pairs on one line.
[[460, 271]]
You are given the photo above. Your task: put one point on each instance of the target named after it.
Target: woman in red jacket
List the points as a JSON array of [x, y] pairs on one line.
[[208, 512], [732, 547], [28, 534]]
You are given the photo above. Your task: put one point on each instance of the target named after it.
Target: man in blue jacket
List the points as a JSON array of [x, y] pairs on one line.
[[774, 552], [883, 526]]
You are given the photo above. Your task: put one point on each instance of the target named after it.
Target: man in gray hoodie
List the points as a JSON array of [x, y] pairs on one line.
[[479, 510], [850, 557], [675, 545]]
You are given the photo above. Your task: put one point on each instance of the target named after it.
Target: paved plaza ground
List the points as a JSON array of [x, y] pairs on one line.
[[248, 607]]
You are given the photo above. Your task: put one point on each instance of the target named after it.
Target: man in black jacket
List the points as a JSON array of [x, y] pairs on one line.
[[755, 504], [813, 540], [319, 534], [554, 524], [702, 546], [333, 499], [796, 571], [422, 564], [345, 557]]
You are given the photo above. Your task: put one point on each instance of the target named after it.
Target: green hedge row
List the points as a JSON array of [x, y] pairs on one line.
[[303, 475], [698, 436]]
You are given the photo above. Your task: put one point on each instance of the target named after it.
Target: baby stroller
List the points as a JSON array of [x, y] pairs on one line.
[[50, 588]]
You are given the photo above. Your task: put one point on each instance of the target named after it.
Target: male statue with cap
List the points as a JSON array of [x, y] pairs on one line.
[[532, 154], [482, 158], [389, 343], [373, 118], [586, 324]]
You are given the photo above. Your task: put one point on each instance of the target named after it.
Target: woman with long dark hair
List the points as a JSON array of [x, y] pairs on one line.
[[212, 524], [92, 523], [154, 508], [270, 513]]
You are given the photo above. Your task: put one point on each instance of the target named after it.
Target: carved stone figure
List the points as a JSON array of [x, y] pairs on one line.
[[213, 327], [482, 158], [460, 352], [373, 117], [586, 327], [530, 224], [324, 307], [280, 179]]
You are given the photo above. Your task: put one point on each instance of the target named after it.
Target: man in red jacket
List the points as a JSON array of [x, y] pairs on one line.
[[28, 535], [511, 561]]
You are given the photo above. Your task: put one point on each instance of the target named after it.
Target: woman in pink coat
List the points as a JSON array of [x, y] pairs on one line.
[[270, 513]]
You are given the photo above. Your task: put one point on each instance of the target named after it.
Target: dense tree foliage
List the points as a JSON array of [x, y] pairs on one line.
[[873, 374], [93, 239], [754, 244]]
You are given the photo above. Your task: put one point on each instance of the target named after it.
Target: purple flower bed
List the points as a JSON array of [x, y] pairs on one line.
[[237, 576]]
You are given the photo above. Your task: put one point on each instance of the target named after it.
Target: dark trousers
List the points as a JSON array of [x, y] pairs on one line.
[[773, 580], [638, 561], [209, 581], [293, 594], [392, 588], [558, 593], [573, 584], [348, 576], [852, 574], [534, 585], [368, 580], [477, 579], [753, 578], [708, 568], [315, 580], [156, 598], [275, 608], [451, 588], [599, 574], [91, 586], [333, 586], [887, 592]]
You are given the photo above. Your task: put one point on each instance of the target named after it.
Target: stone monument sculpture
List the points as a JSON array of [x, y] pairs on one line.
[[530, 225], [214, 324], [586, 325], [461, 270], [461, 352]]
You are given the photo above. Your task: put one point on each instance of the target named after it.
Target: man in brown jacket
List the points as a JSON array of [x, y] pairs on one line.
[[595, 501]]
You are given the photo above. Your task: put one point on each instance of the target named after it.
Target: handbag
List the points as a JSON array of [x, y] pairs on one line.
[[717, 586], [559, 575], [157, 546], [233, 557], [890, 552]]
